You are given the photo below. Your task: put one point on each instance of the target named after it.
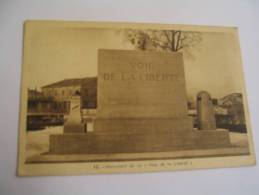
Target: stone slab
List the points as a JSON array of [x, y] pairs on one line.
[[74, 127], [139, 84], [212, 138]]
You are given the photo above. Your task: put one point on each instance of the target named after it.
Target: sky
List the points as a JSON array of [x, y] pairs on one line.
[[54, 54], [216, 66]]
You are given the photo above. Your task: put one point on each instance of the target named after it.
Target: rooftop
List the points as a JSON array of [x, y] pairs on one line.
[[34, 95], [70, 82]]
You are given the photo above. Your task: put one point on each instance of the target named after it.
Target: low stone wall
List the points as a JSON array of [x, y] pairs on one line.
[[93, 143]]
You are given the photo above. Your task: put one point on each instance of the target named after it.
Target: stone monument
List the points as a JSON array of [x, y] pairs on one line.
[[205, 112], [74, 122], [142, 92], [141, 107]]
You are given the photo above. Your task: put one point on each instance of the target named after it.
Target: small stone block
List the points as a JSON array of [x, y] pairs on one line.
[[71, 127]]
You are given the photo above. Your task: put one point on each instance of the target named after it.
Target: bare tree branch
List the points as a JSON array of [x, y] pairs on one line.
[[166, 40], [178, 47]]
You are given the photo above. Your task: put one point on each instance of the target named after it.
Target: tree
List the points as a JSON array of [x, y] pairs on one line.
[[163, 40]]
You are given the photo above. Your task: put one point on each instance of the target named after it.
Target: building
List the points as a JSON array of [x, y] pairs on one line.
[[235, 108], [38, 103], [62, 91], [230, 112]]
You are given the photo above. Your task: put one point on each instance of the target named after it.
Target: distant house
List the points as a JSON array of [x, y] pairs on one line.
[[52, 103], [230, 113], [62, 91], [235, 108]]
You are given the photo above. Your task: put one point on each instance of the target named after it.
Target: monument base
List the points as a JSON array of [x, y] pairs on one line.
[[143, 125], [94, 143]]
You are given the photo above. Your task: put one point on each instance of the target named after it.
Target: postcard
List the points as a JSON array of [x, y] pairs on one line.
[[100, 97]]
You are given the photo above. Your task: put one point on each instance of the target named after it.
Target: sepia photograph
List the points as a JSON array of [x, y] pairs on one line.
[[123, 97]]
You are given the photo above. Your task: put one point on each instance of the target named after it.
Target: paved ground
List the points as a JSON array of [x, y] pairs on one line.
[[38, 141]]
